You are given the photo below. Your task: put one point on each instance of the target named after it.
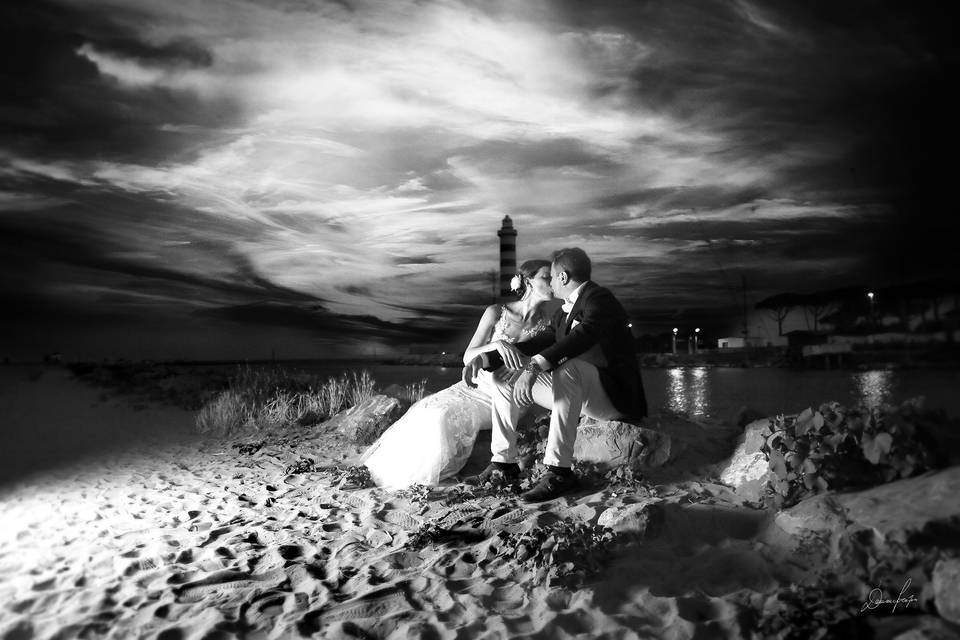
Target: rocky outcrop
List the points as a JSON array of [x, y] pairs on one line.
[[946, 588], [747, 469], [917, 511], [363, 423], [614, 443]]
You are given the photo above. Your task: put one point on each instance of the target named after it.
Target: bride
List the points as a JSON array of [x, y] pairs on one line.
[[433, 439]]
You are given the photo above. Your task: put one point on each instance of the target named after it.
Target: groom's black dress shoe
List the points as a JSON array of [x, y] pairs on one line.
[[495, 473], [556, 482]]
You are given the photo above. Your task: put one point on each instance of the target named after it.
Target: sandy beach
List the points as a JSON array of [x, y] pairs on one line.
[[120, 521]]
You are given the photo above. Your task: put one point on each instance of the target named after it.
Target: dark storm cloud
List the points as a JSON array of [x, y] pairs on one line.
[[57, 104], [409, 260], [819, 252], [49, 249], [854, 95], [712, 196]]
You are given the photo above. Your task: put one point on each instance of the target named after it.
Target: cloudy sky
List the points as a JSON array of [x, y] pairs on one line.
[[235, 178]]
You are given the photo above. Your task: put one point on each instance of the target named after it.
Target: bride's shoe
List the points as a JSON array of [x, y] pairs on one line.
[[496, 473]]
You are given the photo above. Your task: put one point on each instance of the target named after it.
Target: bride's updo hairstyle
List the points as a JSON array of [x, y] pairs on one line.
[[526, 271]]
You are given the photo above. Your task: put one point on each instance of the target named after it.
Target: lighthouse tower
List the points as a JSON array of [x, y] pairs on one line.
[[508, 254]]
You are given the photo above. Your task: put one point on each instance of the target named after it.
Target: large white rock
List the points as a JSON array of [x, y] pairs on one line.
[[615, 443], [365, 422], [747, 469]]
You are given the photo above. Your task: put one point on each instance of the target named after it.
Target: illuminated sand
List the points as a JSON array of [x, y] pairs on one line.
[[181, 537]]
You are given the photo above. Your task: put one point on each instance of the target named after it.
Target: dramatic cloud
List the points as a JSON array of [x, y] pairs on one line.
[[341, 168]]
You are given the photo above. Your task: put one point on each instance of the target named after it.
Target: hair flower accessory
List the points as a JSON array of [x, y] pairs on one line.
[[515, 283]]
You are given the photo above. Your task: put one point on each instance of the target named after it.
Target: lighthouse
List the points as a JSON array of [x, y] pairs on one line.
[[508, 254]]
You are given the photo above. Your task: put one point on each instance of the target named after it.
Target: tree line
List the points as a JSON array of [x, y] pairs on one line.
[[935, 302]]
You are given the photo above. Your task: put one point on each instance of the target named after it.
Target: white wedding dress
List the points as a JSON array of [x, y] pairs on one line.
[[433, 439]]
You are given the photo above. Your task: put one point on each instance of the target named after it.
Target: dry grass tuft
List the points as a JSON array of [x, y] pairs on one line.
[[268, 398]]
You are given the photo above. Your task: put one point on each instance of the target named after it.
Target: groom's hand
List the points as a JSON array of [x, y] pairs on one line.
[[470, 371]]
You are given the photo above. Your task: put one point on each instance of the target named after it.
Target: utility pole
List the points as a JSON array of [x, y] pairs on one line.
[[743, 280]]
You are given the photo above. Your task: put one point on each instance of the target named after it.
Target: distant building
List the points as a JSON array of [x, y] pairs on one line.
[[752, 341]]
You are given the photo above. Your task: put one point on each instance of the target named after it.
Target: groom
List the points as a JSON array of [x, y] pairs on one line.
[[588, 367]]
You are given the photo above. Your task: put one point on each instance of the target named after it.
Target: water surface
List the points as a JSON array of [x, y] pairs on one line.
[[719, 393]]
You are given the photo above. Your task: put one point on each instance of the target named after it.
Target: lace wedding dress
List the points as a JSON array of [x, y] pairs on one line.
[[433, 439]]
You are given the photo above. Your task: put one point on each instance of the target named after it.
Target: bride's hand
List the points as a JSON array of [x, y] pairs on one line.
[[470, 372], [512, 357]]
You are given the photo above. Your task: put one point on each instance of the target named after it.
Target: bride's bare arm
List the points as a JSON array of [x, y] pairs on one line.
[[480, 343]]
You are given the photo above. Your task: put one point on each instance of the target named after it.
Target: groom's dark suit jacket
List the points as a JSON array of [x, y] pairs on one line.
[[600, 320]]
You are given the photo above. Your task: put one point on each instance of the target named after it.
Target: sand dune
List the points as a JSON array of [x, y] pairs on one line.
[[165, 534]]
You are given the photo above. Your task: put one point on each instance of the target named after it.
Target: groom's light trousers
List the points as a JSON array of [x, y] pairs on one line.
[[571, 390]]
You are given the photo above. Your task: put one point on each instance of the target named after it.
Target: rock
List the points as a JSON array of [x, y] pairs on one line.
[[614, 443], [921, 504], [946, 588], [912, 627], [643, 518], [747, 469], [365, 422], [825, 527], [813, 516], [807, 537]]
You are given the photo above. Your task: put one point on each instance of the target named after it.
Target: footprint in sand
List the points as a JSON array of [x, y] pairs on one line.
[[306, 578], [225, 582], [290, 551], [402, 519], [173, 633], [358, 501], [505, 519], [263, 609], [379, 604], [45, 585], [22, 630]]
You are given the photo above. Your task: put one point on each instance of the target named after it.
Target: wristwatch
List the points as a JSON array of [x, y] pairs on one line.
[[532, 367]]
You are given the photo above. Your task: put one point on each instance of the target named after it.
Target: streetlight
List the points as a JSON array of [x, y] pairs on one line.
[[675, 330], [870, 297], [696, 340]]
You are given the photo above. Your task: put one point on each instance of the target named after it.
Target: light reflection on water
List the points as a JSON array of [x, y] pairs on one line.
[[706, 393], [689, 391], [875, 387]]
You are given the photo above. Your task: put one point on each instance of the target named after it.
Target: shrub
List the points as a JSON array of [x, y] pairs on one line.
[[413, 392], [266, 398], [228, 412], [837, 448], [566, 549], [356, 477], [277, 411]]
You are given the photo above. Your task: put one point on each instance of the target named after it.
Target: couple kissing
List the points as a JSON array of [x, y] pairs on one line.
[[575, 358]]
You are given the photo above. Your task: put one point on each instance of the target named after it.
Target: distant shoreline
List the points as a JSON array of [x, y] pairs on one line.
[[754, 357]]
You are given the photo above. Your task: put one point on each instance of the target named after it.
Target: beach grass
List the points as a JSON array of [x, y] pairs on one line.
[[265, 398]]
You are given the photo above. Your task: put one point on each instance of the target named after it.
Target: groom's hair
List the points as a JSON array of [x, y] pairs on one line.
[[574, 261]]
